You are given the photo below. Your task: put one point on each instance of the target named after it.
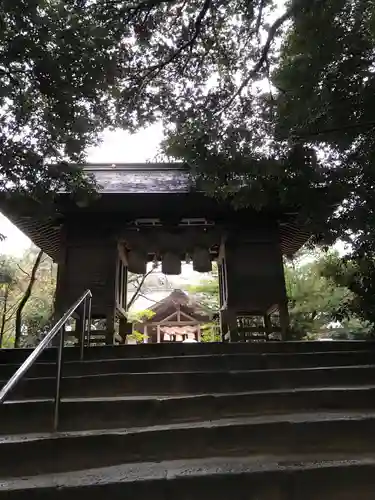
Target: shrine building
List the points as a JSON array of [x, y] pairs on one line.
[[153, 212], [176, 318]]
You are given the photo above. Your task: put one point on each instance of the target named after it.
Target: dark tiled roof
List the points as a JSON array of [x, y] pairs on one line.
[[141, 178], [133, 178], [179, 298]]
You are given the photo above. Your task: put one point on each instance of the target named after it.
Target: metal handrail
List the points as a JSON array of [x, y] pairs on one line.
[[55, 330]]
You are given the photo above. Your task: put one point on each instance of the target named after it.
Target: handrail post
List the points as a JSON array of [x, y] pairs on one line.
[[83, 329], [56, 412], [89, 319], [57, 329]]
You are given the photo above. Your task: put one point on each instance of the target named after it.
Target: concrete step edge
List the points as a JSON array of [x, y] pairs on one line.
[[289, 418], [185, 469], [201, 356], [322, 347], [207, 372], [218, 395]]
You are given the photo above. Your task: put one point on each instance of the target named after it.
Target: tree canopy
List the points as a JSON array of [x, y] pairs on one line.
[[70, 69], [320, 305], [326, 82], [269, 103], [249, 93]]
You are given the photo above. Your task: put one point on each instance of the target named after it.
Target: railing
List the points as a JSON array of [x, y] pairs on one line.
[[58, 329]]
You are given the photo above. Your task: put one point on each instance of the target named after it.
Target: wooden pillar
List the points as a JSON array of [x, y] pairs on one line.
[[125, 288], [78, 329], [123, 329], [59, 303], [231, 318], [111, 275], [199, 333], [222, 293], [223, 326], [158, 334], [284, 320], [267, 324], [145, 338], [253, 262], [110, 327]]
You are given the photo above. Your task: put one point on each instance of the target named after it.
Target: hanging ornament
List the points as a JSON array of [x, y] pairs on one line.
[[202, 260], [137, 262], [171, 263]]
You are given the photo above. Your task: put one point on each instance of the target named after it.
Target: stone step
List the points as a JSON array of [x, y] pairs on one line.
[[216, 362], [307, 477], [123, 412], [321, 433], [120, 384], [181, 349]]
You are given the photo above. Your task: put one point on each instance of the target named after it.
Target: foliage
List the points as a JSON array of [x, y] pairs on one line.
[[24, 299], [326, 80], [206, 291], [259, 129], [70, 69], [313, 300], [266, 110], [358, 276], [210, 332], [139, 317], [319, 304], [55, 68], [39, 307], [248, 122]]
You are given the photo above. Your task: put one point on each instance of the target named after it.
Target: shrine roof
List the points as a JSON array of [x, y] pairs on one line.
[[148, 180], [179, 299], [140, 177]]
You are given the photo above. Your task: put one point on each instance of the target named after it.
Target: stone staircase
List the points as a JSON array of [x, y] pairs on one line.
[[254, 421]]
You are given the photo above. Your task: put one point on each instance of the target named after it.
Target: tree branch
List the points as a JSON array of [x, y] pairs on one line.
[[139, 286], [358, 125], [145, 297], [259, 18], [263, 57], [189, 44], [22, 270]]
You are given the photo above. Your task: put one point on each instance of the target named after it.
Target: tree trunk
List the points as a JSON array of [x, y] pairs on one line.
[[4, 315], [25, 298]]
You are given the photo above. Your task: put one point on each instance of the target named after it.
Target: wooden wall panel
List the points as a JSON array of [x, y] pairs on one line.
[[90, 263], [255, 275]]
